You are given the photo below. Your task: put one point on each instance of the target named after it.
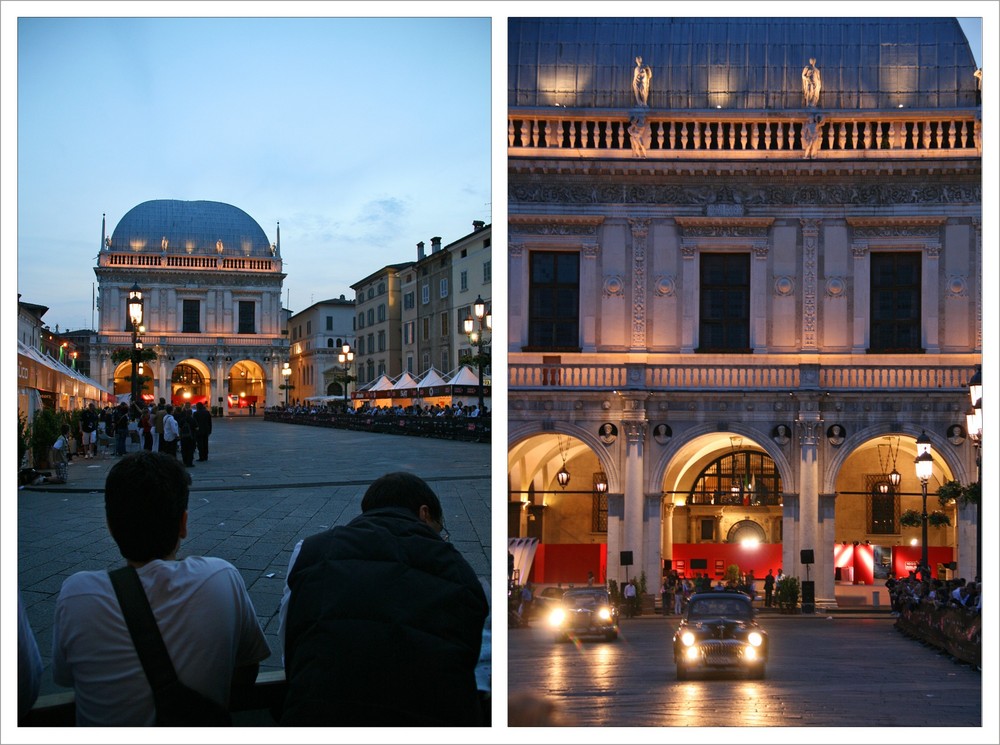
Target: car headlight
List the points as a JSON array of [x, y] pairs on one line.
[[755, 638], [750, 653], [691, 653], [557, 617], [687, 638], [604, 614]]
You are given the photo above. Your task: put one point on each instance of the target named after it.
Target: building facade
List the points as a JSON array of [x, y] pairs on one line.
[[211, 292], [377, 324], [744, 285], [316, 337]]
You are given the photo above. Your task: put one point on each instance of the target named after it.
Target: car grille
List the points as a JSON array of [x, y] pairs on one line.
[[581, 619], [721, 651]]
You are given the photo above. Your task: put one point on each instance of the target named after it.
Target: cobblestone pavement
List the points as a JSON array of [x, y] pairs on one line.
[[265, 486]]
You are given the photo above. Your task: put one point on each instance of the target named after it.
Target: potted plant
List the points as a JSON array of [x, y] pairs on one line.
[[914, 519], [953, 491], [44, 432], [786, 594], [23, 439]]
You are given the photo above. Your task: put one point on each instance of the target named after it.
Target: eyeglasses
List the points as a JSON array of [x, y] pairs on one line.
[[442, 531]]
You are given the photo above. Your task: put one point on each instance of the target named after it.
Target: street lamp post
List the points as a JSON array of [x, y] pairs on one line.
[[286, 372], [478, 338], [974, 426], [135, 317], [924, 466], [346, 357]]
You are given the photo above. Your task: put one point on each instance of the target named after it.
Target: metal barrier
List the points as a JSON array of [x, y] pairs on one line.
[[473, 429]]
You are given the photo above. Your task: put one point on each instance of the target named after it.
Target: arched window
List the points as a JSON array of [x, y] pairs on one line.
[[743, 477], [745, 530]]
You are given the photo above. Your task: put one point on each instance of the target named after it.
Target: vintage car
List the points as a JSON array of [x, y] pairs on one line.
[[720, 632], [584, 611]]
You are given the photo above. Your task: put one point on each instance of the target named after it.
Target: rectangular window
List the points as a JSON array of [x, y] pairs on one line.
[[309, 327], [425, 331], [445, 361], [329, 323], [192, 317], [554, 301], [247, 325], [444, 323], [409, 332], [708, 530], [425, 294], [371, 344], [426, 362], [464, 312], [361, 346], [408, 301], [409, 363], [463, 280], [724, 321], [361, 320], [381, 341], [487, 272], [381, 312], [895, 301], [444, 287], [371, 316]]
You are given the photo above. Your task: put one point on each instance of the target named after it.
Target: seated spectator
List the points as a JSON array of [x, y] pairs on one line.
[[382, 619], [59, 456], [29, 662], [201, 605]]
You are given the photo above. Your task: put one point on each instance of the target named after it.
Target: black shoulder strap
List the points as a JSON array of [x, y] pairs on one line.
[[142, 626]]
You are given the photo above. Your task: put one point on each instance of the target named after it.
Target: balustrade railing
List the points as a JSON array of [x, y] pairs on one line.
[[696, 377], [687, 135]]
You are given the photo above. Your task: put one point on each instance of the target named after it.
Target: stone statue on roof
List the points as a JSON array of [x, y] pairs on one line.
[[642, 76], [812, 83]]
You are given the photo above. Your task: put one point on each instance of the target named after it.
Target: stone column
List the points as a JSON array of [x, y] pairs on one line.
[[640, 231], [590, 281], [634, 494], [809, 425], [825, 586]]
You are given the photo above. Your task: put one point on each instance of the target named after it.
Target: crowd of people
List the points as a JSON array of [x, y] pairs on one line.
[[934, 594], [454, 410], [370, 609], [182, 430]]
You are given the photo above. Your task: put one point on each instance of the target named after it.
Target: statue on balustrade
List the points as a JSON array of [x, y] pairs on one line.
[[812, 136], [639, 135]]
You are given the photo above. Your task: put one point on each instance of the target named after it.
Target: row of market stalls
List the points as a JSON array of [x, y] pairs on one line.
[[430, 389], [45, 382]]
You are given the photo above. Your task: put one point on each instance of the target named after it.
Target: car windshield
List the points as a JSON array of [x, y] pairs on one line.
[[714, 607], [585, 599]]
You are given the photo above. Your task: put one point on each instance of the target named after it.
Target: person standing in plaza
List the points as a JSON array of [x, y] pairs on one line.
[[382, 619], [769, 588], [203, 418], [200, 604], [146, 428], [121, 428], [161, 411], [186, 429], [171, 434], [88, 429]]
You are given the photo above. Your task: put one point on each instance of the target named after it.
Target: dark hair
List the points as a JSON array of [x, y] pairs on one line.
[[401, 489], [145, 496]]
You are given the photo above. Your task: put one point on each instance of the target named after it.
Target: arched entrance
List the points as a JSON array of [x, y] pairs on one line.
[[558, 495], [875, 536], [190, 383], [245, 386], [723, 502], [122, 385]]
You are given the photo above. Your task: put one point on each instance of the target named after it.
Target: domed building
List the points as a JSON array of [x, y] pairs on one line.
[[745, 261], [210, 284]]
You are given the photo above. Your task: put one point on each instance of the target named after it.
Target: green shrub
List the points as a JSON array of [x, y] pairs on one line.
[[786, 593], [44, 432]]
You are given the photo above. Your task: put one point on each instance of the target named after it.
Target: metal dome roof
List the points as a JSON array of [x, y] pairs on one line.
[[740, 63], [194, 227]]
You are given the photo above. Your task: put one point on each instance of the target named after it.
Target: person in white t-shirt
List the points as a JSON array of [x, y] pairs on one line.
[[200, 603]]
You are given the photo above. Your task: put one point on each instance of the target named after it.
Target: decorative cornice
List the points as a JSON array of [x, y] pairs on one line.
[[896, 222]]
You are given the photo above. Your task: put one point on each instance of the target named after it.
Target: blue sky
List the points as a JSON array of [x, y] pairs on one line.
[[360, 136]]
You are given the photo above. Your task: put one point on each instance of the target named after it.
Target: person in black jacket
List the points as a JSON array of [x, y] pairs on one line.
[[203, 418], [382, 619]]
